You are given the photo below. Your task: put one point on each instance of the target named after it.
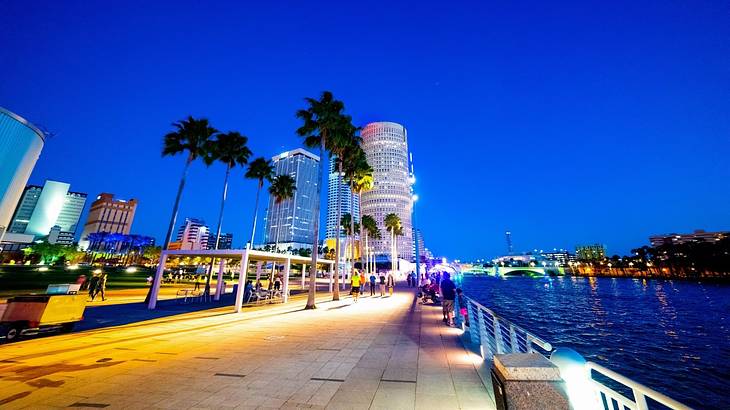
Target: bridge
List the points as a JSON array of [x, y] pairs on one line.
[[532, 271]]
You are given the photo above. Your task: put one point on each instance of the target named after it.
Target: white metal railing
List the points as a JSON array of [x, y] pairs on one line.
[[497, 335], [607, 397]]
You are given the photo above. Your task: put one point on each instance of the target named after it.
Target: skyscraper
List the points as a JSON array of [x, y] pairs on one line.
[[20, 146], [226, 241], [42, 208], [192, 235], [386, 148], [108, 215], [337, 187], [291, 222]]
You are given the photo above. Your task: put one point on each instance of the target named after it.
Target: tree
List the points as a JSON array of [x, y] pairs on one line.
[[360, 176], [393, 225], [282, 188], [324, 125], [47, 252], [369, 229], [261, 170]]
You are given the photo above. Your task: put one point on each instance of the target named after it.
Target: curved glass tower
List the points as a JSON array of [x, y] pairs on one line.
[[386, 148], [20, 146]]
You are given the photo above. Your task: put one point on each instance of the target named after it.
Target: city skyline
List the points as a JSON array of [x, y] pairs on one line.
[[637, 139]]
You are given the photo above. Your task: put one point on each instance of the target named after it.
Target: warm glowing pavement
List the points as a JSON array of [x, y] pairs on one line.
[[387, 353]]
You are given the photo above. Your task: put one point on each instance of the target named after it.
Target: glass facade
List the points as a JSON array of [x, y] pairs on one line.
[[41, 208], [20, 147], [291, 222], [337, 187]]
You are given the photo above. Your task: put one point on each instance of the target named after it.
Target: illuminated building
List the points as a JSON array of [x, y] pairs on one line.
[[698, 235], [596, 252], [337, 187], [193, 234], [292, 220], [226, 241], [20, 146], [42, 208], [386, 148], [108, 215]]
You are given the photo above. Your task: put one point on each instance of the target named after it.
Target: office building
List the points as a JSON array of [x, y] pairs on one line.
[[57, 236], [596, 252], [291, 222], [561, 256], [226, 241], [193, 234], [697, 236], [108, 215], [418, 239], [20, 146], [42, 208], [386, 148], [338, 188]]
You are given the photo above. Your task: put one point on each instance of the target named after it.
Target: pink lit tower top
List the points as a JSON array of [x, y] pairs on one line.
[[386, 147]]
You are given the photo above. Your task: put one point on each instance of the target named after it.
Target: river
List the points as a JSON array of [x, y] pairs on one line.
[[673, 336]]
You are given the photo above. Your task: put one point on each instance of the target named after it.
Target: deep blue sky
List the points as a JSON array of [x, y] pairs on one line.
[[565, 123]]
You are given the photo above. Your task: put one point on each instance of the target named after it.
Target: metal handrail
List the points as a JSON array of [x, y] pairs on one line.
[[496, 335], [640, 391]]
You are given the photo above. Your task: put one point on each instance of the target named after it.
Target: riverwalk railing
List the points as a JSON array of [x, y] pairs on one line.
[[494, 334]]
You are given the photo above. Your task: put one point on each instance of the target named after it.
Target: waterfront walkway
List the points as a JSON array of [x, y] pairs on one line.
[[389, 353]]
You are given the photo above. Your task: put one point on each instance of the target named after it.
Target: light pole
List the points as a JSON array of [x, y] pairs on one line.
[[415, 234]]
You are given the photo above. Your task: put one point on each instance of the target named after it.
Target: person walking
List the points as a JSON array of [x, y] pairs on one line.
[[382, 285], [363, 282], [247, 291], [373, 279], [197, 283], [277, 283], [92, 286], [100, 287], [462, 306], [355, 286], [448, 294], [390, 283]]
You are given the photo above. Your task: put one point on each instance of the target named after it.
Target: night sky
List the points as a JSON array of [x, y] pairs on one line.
[[565, 123]]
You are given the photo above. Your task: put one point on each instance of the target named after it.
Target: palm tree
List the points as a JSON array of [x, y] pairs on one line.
[[261, 170], [393, 225], [324, 126], [360, 176], [229, 148], [350, 227], [282, 188], [369, 228], [192, 136]]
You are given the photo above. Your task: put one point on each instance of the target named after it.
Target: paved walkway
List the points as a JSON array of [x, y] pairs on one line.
[[389, 353]]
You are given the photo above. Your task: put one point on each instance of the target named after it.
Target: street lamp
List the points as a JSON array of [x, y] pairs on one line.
[[415, 232]]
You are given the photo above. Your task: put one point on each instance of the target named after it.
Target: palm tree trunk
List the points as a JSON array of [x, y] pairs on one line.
[[255, 213], [364, 250], [315, 248], [336, 288], [352, 228], [173, 219], [220, 225]]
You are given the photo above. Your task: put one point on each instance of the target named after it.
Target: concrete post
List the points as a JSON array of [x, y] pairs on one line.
[[259, 268], [219, 284], [332, 272], [241, 281], [525, 381], [304, 276], [285, 287], [157, 281]]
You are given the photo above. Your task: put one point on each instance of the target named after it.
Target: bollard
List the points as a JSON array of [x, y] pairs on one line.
[[527, 381]]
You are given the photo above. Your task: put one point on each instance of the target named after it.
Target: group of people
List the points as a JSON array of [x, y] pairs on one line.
[[438, 284], [95, 285], [383, 281]]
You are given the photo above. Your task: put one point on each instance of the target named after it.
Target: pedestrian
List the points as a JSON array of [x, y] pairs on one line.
[[448, 294], [277, 283], [247, 291], [390, 283], [197, 283], [382, 285], [363, 282], [355, 286], [92, 286], [373, 279], [100, 287], [462, 306]]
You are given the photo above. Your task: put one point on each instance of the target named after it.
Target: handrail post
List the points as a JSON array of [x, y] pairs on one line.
[[474, 327], [498, 336], [513, 339]]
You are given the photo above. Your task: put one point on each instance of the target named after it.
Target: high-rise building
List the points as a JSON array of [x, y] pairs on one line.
[[697, 236], [42, 208], [338, 188], [595, 252], [291, 222], [192, 235], [226, 241], [386, 148], [108, 215], [418, 238], [20, 146]]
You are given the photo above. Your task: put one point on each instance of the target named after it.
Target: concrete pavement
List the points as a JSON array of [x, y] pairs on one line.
[[389, 353]]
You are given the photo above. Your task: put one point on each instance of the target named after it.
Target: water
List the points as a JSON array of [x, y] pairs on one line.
[[673, 336]]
